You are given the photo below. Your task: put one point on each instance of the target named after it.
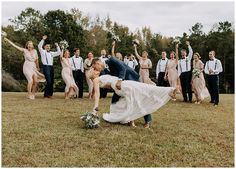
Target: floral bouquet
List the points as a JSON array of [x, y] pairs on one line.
[[4, 34], [176, 41], [114, 36], [196, 72], [91, 121], [136, 42], [64, 43]]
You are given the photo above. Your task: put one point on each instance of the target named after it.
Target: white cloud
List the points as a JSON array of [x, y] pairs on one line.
[[167, 18]]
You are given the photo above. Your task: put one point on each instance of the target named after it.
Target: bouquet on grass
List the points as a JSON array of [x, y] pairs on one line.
[[90, 120]]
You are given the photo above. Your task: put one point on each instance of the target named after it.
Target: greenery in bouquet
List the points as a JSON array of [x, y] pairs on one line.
[[196, 72], [90, 120], [64, 43]]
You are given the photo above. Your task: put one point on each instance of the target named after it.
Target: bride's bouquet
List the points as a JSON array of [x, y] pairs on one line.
[[90, 120], [64, 43], [4, 34], [196, 72]]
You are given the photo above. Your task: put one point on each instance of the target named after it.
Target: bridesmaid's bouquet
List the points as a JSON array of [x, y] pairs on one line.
[[64, 43], [136, 42], [113, 35], [4, 34], [196, 72], [176, 41], [90, 120]]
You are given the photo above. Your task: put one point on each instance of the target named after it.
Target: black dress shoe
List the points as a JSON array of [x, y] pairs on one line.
[[211, 101]]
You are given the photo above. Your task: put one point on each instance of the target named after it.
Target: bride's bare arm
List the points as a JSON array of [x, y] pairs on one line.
[[96, 93]]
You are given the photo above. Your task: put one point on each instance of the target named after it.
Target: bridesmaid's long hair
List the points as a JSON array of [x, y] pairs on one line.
[[66, 50], [27, 43]]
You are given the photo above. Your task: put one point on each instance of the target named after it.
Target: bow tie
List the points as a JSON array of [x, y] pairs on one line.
[[162, 59], [211, 59]]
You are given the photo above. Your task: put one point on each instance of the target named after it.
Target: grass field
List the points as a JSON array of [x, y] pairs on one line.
[[49, 133]]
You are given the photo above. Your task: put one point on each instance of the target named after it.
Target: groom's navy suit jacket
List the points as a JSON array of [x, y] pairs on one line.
[[122, 71]]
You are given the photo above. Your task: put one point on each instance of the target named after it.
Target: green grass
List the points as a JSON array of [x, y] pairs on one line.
[[49, 133]]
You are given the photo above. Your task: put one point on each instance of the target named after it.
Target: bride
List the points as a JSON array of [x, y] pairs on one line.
[[137, 99]]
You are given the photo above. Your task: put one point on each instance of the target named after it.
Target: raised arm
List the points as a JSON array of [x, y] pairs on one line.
[[58, 52], [14, 45], [96, 94], [177, 52], [40, 45], [136, 52], [113, 48], [190, 51], [61, 55]]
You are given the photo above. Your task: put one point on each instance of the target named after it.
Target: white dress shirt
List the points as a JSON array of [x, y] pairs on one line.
[[215, 65], [131, 63], [103, 59], [184, 65], [161, 66], [47, 57], [77, 63]]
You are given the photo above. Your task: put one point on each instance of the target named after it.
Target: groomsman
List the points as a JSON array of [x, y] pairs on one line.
[[77, 65], [47, 61], [185, 73], [161, 69], [212, 68], [104, 58]]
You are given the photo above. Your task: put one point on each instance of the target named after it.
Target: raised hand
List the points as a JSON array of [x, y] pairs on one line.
[[177, 46], [135, 45], [45, 37], [187, 43], [56, 44], [113, 43]]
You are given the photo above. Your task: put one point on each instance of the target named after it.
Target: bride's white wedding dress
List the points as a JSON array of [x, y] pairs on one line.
[[137, 99]]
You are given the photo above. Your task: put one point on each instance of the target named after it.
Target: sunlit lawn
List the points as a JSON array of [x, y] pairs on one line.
[[49, 133]]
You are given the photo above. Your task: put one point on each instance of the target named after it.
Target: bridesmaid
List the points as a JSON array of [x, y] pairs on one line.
[[198, 81], [145, 65], [71, 89], [87, 65], [30, 67], [171, 73]]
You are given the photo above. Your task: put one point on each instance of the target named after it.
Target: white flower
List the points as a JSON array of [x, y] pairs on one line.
[[64, 43], [136, 41], [196, 72], [4, 34], [114, 36]]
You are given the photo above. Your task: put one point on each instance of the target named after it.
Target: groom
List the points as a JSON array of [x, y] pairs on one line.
[[123, 72]]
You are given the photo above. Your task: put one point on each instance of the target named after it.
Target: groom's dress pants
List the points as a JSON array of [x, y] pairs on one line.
[[48, 72]]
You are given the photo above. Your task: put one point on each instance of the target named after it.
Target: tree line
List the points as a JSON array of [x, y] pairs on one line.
[[92, 34]]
